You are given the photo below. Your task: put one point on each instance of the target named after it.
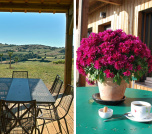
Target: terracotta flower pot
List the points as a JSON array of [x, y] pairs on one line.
[[111, 91]]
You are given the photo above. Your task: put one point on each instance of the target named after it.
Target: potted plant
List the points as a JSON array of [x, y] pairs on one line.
[[110, 57]]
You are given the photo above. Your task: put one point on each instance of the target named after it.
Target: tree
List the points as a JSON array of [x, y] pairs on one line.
[[10, 55], [1, 55], [16, 59]]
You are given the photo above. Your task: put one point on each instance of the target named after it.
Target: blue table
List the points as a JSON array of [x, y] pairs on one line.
[[89, 122], [23, 89]]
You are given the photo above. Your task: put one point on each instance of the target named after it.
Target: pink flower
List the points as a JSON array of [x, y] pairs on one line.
[[106, 71], [119, 65], [138, 67], [90, 82], [136, 51], [89, 61], [97, 64], [113, 52], [127, 73], [131, 58], [111, 60], [129, 66], [108, 74]]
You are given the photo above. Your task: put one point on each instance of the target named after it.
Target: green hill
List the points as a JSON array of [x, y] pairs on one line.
[[32, 52]]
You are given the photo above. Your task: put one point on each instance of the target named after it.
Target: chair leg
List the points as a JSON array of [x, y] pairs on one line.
[[43, 126], [59, 126], [66, 125], [38, 130], [56, 115]]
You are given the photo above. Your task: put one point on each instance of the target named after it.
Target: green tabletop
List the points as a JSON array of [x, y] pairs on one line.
[[89, 122]]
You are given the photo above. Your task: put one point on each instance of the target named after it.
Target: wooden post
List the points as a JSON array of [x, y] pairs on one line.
[[68, 51], [82, 30], [140, 17]]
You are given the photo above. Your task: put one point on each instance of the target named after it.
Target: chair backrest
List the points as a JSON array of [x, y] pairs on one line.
[[20, 74], [4, 88], [54, 83], [18, 117], [66, 99], [56, 87]]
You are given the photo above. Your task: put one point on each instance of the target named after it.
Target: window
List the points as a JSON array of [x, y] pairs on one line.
[[104, 27], [89, 31]]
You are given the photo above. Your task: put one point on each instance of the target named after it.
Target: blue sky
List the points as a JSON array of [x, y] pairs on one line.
[[33, 28]]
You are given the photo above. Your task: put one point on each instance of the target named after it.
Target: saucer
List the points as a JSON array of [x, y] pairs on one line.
[[96, 98], [148, 119]]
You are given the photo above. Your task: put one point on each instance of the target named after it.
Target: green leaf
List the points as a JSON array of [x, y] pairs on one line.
[[101, 77], [127, 80], [136, 75], [119, 81], [118, 75]]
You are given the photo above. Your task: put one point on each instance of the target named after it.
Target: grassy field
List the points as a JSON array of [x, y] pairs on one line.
[[36, 69]]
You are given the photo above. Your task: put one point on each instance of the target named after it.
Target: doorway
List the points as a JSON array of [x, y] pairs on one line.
[[145, 32]]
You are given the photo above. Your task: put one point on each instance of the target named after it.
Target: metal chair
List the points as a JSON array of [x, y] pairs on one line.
[[58, 112], [20, 74], [0, 127], [54, 84], [55, 90], [56, 87], [4, 87], [18, 117]]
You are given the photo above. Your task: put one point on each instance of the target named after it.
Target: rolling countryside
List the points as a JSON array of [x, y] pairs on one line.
[[41, 61]]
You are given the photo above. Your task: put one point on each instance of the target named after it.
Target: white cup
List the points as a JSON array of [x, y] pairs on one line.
[[140, 109]]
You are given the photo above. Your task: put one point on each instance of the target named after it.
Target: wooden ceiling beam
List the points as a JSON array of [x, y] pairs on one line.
[[27, 6], [92, 2], [32, 10], [114, 2], [58, 1], [39, 1], [96, 7], [26, 1], [42, 1]]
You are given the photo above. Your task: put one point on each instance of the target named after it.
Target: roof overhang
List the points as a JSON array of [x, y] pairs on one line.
[[50, 6]]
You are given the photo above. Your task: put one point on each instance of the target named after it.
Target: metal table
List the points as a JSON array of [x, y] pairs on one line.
[[22, 89], [89, 122]]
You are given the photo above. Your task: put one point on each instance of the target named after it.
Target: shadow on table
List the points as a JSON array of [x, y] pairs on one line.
[[118, 117], [128, 101]]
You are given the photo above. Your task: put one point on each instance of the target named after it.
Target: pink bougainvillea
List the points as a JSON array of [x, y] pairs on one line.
[[113, 54]]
